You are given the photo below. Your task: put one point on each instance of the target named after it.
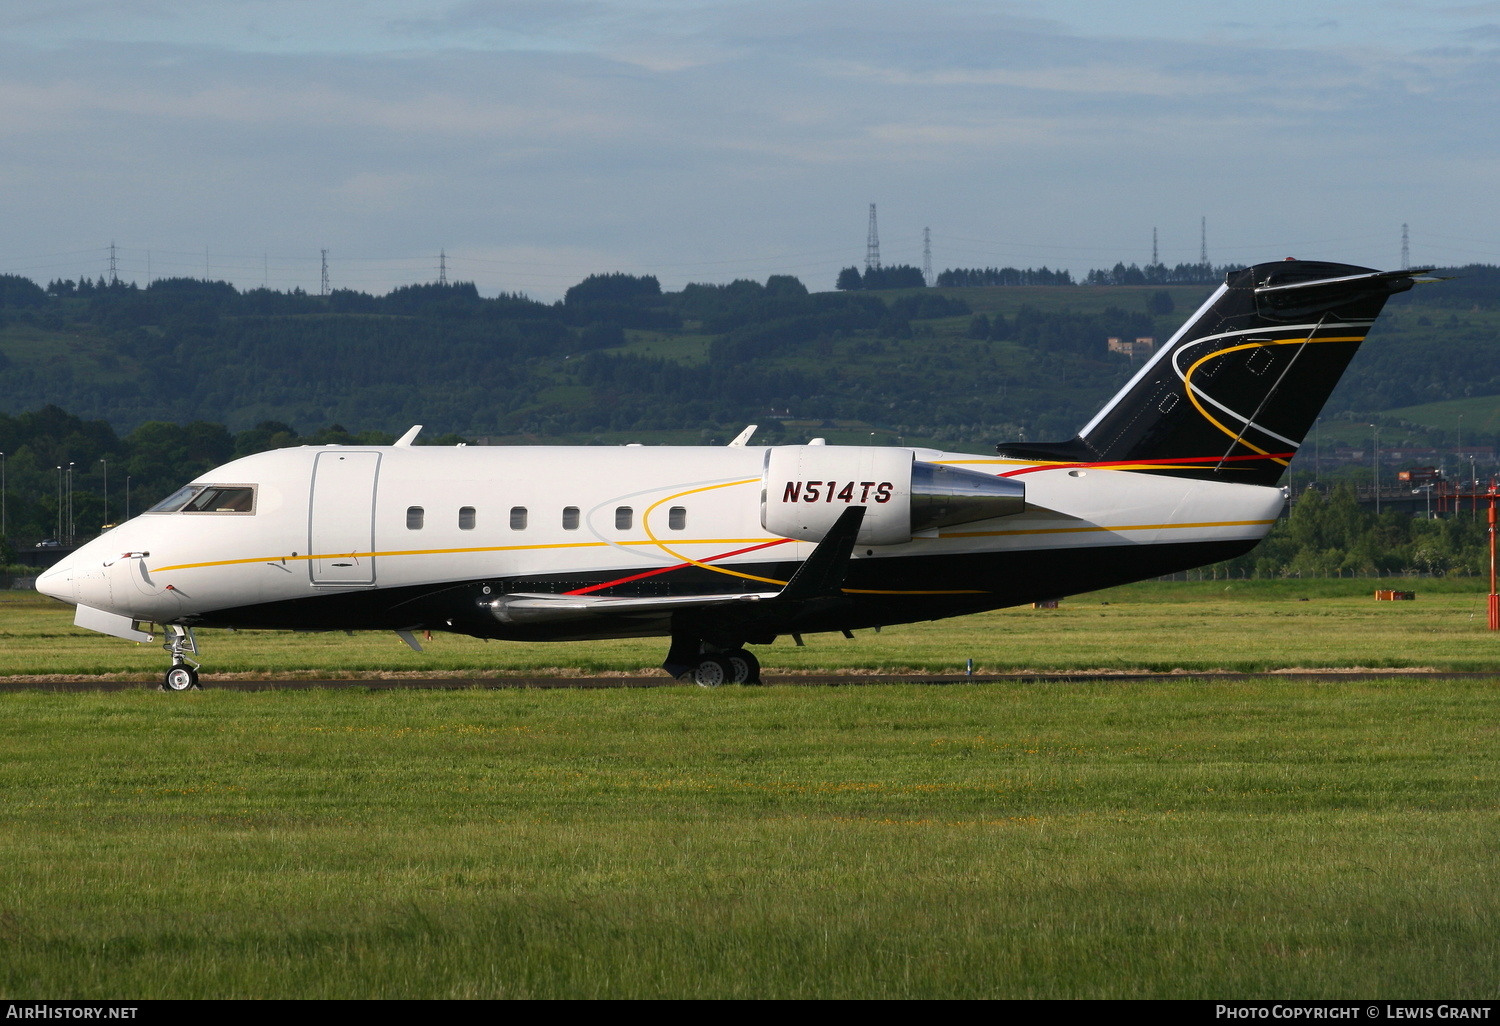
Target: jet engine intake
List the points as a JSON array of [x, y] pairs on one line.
[[807, 487]]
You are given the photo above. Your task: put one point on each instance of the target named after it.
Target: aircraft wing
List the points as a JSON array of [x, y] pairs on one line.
[[542, 608], [820, 576]]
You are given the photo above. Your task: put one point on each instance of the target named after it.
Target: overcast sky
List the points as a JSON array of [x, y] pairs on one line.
[[538, 141]]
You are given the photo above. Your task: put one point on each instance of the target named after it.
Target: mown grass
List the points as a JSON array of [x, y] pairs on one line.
[[1245, 626], [1177, 839]]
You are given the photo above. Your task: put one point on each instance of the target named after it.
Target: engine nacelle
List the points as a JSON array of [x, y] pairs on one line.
[[806, 487]]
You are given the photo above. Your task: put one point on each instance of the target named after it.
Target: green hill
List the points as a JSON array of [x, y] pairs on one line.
[[619, 359], [956, 366]]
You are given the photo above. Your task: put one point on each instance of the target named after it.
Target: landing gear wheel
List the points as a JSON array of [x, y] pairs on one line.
[[712, 671], [744, 667], [180, 678]]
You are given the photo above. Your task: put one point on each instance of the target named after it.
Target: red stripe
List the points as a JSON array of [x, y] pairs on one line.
[[669, 569], [1151, 463]]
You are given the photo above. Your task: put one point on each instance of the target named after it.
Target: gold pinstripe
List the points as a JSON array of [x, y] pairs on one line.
[[1097, 527], [702, 541], [1238, 436], [646, 526], [443, 552]]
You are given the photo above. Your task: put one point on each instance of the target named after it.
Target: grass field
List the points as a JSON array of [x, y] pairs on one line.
[[1178, 839], [1241, 625]]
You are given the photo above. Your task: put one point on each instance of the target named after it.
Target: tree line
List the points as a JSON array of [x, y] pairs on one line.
[[1333, 536], [619, 354], [55, 461]]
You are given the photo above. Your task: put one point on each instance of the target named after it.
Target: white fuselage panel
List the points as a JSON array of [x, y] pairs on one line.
[[334, 519]]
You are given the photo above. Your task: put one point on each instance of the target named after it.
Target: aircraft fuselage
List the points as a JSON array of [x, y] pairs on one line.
[[405, 538]]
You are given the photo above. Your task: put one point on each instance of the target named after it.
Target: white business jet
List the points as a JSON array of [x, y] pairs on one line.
[[721, 548]]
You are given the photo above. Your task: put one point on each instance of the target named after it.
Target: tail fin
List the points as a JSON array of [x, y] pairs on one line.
[[1232, 395]]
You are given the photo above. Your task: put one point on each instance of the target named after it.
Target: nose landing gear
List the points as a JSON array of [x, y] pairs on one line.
[[183, 676]]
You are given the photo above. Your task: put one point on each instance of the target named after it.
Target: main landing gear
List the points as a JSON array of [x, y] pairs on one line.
[[708, 666], [183, 676]]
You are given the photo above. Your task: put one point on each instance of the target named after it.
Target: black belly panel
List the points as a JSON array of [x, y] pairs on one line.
[[878, 592]]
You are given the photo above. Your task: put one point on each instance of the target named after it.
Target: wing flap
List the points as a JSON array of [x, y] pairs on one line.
[[543, 608]]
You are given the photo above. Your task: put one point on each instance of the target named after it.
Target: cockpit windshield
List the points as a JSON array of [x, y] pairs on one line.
[[199, 498]]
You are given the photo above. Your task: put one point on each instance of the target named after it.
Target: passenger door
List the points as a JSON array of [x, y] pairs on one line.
[[341, 525]]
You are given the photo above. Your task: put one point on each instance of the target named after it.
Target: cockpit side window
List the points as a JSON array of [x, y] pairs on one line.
[[221, 499], [178, 499]]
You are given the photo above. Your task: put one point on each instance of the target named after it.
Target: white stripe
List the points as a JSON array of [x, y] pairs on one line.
[[1182, 374], [1172, 342], [1155, 359]]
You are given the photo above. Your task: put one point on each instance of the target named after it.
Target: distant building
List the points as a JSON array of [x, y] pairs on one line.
[[1401, 455], [1143, 346]]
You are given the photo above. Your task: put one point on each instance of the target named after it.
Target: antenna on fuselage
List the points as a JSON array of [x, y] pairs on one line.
[[410, 437]]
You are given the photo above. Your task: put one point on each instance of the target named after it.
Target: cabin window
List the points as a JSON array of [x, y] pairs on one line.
[[518, 518], [624, 516], [414, 517], [570, 518], [466, 518], [677, 518]]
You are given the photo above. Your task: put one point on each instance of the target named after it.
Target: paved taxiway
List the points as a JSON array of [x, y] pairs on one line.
[[792, 680]]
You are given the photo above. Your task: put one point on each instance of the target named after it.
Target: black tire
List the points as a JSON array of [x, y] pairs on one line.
[[180, 678], [712, 671], [744, 667]]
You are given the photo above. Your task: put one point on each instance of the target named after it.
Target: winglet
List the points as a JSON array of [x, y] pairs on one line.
[[410, 437], [743, 437], [823, 572]]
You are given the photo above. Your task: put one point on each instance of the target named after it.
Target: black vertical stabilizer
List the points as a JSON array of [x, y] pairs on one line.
[[1232, 395]]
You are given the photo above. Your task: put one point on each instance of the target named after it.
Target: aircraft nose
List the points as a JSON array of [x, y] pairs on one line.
[[82, 576], [57, 582]]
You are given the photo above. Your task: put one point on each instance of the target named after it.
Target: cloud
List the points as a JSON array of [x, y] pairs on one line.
[[574, 24], [716, 139]]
